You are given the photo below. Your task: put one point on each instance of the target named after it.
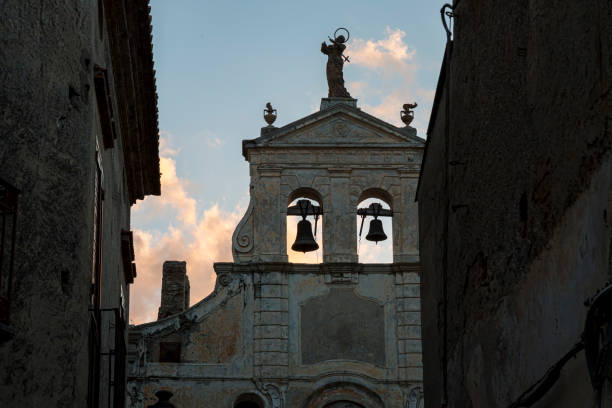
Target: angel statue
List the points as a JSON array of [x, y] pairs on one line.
[[335, 62]]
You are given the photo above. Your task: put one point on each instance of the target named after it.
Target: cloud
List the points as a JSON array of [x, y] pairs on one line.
[[198, 238], [214, 142], [393, 71], [165, 142], [211, 140], [390, 53]]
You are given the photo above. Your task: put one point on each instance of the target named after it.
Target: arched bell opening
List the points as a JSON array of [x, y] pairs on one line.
[[374, 227], [305, 227]]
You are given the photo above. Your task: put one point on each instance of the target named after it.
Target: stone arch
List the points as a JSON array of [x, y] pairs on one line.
[[343, 392], [306, 192], [378, 193]]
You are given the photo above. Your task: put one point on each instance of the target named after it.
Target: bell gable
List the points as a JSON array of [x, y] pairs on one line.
[[339, 126]]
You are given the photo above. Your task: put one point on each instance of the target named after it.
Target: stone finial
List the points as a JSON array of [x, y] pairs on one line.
[[269, 114], [175, 289], [407, 115]]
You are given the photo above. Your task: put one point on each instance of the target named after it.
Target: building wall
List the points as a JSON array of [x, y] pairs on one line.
[[293, 334], [50, 127], [513, 203]]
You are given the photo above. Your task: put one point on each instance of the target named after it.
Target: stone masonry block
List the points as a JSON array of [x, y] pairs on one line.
[[271, 345], [271, 332], [271, 358], [274, 291], [411, 373], [409, 332], [410, 360], [408, 304], [277, 318], [272, 278], [407, 278], [409, 346], [274, 305], [271, 371], [404, 318], [409, 290]]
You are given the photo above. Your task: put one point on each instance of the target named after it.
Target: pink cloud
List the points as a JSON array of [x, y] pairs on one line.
[[395, 70], [200, 239], [389, 53]]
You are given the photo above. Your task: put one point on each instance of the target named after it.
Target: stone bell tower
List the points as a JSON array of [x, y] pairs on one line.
[[276, 334], [337, 156]]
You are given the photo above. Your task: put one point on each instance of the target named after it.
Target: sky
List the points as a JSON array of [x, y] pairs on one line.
[[217, 64]]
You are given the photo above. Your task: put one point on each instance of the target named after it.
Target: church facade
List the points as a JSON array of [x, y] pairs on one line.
[[278, 334]]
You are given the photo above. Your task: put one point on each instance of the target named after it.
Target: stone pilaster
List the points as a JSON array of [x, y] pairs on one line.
[[271, 323], [408, 311], [339, 241]]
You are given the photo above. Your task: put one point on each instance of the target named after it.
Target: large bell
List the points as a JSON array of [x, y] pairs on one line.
[[304, 241], [376, 232]]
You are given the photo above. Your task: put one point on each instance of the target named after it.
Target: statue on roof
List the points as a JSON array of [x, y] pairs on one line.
[[335, 62]]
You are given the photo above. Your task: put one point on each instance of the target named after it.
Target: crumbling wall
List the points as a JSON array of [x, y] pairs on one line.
[[513, 207]]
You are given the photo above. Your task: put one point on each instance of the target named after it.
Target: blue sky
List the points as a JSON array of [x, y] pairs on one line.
[[217, 64]]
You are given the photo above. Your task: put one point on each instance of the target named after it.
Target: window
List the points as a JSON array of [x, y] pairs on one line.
[[8, 231], [105, 107], [169, 352]]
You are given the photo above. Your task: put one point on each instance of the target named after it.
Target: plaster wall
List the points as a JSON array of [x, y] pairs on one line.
[[513, 206]]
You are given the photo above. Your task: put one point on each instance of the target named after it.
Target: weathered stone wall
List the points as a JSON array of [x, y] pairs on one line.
[[296, 335], [513, 206], [47, 150], [175, 288], [49, 130]]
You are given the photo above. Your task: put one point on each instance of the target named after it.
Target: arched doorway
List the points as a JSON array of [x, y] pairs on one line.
[[248, 400], [343, 404], [343, 394]]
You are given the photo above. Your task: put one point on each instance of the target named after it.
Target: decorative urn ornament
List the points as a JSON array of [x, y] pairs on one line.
[[407, 115], [269, 114]]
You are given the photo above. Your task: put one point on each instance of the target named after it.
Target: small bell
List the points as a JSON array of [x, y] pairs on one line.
[[304, 241], [376, 232]]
